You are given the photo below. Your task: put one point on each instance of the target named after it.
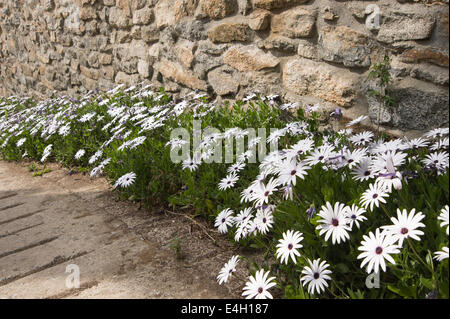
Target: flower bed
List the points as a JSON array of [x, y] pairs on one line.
[[336, 214]]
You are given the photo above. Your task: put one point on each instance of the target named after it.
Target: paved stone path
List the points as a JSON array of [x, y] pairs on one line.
[[48, 223]]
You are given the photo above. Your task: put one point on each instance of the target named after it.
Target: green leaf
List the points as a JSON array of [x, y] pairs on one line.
[[427, 283]]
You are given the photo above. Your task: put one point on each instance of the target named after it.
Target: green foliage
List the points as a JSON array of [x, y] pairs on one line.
[[380, 72], [161, 182]]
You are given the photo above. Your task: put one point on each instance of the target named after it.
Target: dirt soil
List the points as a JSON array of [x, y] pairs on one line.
[[122, 251]]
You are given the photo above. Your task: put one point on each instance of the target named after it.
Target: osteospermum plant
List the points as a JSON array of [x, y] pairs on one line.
[[324, 211]]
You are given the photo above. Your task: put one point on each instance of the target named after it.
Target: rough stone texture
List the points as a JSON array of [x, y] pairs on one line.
[[217, 9], [403, 26], [418, 106], [177, 73], [295, 23], [330, 83], [346, 46], [276, 4], [249, 58], [300, 49], [223, 82], [259, 20], [229, 32]]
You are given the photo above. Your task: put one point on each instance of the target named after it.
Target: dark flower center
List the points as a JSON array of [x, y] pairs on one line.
[[266, 193], [316, 275], [293, 172], [290, 246], [335, 222], [375, 196], [264, 220], [379, 250], [366, 173], [260, 290], [320, 158], [223, 220], [353, 216], [404, 231]]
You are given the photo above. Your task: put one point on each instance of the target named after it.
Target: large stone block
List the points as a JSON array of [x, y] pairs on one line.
[[223, 82], [345, 45], [294, 23], [218, 9], [330, 83], [250, 58], [419, 106], [229, 32], [176, 72], [404, 26]]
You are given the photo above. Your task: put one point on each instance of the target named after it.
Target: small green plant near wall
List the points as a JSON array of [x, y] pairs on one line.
[[380, 72], [38, 171]]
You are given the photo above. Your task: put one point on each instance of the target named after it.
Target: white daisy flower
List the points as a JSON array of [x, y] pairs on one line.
[[416, 143], [300, 148], [64, 130], [444, 217], [224, 220], [441, 255], [363, 171], [319, 155], [441, 143], [262, 192], [439, 160], [228, 269], [254, 141], [191, 163], [95, 157], [355, 215], [289, 170], [176, 143], [316, 276], [228, 182], [257, 287], [126, 180], [386, 162], [357, 120], [20, 142], [438, 132], [352, 158], [287, 247], [244, 223], [334, 222], [405, 226], [247, 194], [376, 248], [276, 135], [245, 156], [373, 196], [79, 154], [264, 220], [46, 153], [236, 168], [362, 138]]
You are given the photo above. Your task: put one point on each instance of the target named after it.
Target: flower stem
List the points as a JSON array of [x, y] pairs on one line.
[[417, 255]]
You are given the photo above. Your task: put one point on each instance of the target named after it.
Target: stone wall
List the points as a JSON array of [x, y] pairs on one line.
[[304, 50]]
